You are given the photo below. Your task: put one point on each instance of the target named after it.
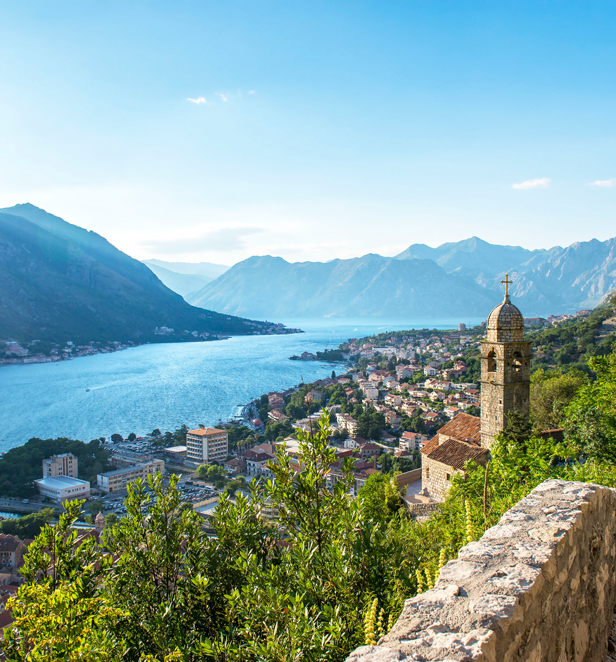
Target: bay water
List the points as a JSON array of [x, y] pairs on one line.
[[166, 385]]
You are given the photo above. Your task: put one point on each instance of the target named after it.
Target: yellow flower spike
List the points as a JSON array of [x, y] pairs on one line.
[[429, 579], [420, 581]]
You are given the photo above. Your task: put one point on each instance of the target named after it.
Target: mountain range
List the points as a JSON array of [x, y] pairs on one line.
[[460, 279], [59, 282]]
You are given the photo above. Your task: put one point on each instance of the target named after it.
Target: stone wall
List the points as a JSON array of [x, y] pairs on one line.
[[434, 478], [538, 587], [408, 477]]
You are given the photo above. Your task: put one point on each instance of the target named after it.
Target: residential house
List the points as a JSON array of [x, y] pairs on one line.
[[313, 396], [255, 461], [370, 450], [413, 441], [393, 418], [403, 371], [236, 466], [393, 400], [11, 552], [347, 422]]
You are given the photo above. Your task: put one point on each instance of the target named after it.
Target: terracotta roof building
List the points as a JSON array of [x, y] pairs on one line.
[[207, 445], [455, 444]]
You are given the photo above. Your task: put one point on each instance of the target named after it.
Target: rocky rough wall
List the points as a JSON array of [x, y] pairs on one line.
[[538, 587], [436, 478]]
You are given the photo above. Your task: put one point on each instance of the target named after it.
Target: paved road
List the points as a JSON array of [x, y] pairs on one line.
[[16, 504]]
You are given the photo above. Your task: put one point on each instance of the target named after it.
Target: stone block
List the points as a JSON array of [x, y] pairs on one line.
[[541, 585]]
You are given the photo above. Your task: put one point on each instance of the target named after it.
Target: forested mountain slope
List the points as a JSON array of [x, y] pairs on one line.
[[59, 282]]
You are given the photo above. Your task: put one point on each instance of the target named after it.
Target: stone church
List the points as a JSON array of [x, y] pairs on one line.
[[505, 388]]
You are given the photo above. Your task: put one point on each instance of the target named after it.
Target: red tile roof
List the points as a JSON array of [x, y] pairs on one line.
[[456, 453], [9, 543], [463, 427], [205, 432], [457, 442]]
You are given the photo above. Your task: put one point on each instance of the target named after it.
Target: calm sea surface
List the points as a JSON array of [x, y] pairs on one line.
[[165, 385]]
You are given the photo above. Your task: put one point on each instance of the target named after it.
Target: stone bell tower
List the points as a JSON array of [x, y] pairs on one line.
[[505, 369]]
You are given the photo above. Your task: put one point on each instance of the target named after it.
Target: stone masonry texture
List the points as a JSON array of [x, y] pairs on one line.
[[540, 586]]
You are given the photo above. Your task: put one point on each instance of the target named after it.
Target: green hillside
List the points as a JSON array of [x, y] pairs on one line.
[[59, 282]]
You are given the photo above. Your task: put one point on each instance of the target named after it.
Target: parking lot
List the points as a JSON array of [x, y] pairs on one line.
[[191, 492]]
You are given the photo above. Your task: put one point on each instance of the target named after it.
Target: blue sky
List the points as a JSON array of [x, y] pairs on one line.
[[316, 129]]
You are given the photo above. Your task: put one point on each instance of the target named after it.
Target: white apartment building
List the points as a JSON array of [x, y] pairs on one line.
[[63, 488], [60, 465], [207, 445], [369, 390], [385, 351], [347, 422], [113, 481]]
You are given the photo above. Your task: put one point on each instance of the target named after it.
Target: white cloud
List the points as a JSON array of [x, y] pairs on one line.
[[252, 91], [607, 183], [223, 97], [544, 182], [223, 240], [199, 101]]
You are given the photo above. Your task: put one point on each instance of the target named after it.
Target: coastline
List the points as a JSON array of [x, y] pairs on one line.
[[111, 348]]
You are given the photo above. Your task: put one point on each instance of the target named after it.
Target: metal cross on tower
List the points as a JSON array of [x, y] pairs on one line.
[[506, 283]]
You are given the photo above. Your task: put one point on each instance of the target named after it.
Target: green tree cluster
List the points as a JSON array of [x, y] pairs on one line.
[[213, 473], [21, 466], [370, 423], [27, 526], [551, 393]]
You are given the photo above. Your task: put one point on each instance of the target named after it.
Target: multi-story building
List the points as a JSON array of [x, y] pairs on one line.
[[207, 445], [256, 462], [413, 441], [347, 422], [60, 465], [11, 549], [63, 488], [113, 481]]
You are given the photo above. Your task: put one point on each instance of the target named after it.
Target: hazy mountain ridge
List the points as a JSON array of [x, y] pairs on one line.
[[371, 286], [61, 282], [455, 279], [207, 269], [182, 284]]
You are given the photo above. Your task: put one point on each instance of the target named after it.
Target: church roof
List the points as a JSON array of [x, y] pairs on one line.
[[463, 427], [456, 453], [505, 316], [457, 442], [505, 322]]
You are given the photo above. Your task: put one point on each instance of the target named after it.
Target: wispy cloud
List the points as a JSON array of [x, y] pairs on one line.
[[607, 183], [223, 240], [252, 91], [544, 182], [199, 101], [223, 97]]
